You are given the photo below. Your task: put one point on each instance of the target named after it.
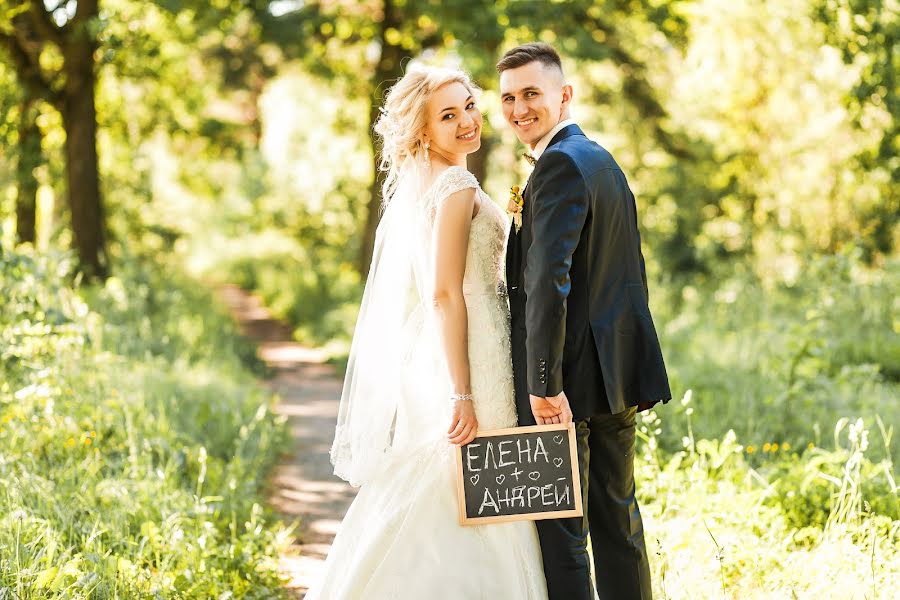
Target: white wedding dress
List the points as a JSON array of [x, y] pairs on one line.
[[401, 539]]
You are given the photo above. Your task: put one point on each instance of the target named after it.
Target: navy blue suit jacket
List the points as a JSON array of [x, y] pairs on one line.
[[577, 287]]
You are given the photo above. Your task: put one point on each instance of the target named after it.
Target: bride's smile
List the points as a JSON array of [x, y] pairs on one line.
[[453, 128]]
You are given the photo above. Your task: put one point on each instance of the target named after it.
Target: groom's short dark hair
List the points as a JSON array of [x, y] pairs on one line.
[[528, 53]]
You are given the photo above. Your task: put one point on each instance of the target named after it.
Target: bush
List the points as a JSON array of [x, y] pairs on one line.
[[802, 525], [782, 363], [134, 439]]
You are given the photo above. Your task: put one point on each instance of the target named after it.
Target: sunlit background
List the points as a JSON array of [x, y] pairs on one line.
[[233, 144]]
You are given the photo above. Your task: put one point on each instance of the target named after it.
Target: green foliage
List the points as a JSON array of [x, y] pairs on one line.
[[10, 102], [282, 226], [781, 362], [759, 137], [321, 302], [134, 439], [867, 32], [823, 522], [759, 99]]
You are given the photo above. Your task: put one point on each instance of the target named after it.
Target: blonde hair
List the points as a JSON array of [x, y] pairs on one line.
[[403, 118]]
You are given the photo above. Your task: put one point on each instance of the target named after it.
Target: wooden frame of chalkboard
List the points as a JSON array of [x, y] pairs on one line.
[[573, 475]]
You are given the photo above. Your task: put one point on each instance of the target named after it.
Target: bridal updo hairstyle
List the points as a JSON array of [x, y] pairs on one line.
[[402, 121]]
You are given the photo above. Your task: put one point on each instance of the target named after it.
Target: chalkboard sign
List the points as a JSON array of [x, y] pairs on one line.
[[518, 474]]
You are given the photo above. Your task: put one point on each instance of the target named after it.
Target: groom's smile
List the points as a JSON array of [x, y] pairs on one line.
[[534, 100]]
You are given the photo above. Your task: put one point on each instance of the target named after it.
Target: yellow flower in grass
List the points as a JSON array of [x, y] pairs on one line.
[[766, 447], [751, 449], [70, 443], [775, 447], [786, 446]]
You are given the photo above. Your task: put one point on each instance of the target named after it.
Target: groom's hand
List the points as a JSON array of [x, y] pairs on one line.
[[551, 410], [544, 412]]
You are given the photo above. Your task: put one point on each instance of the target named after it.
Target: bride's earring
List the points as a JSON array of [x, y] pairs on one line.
[[427, 158]]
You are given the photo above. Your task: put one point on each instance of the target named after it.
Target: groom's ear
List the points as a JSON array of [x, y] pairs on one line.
[[567, 94]]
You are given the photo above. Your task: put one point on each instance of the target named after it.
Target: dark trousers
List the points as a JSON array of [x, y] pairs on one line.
[[611, 516]]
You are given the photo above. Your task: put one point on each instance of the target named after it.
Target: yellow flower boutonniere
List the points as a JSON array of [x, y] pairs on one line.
[[514, 208]]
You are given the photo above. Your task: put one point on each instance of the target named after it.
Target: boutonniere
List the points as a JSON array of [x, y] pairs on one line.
[[514, 208]]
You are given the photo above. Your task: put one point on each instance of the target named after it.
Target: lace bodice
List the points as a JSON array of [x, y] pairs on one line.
[[487, 238], [486, 301]]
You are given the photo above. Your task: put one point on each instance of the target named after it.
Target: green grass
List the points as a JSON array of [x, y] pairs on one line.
[[783, 363], [772, 474], [818, 523], [134, 439]]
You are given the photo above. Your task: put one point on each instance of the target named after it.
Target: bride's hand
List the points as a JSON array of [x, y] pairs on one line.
[[464, 424]]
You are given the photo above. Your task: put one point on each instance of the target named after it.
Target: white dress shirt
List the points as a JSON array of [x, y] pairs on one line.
[[545, 141]]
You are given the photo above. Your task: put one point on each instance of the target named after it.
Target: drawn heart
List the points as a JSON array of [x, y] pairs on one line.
[[500, 479], [558, 439], [534, 475], [474, 479], [558, 462]]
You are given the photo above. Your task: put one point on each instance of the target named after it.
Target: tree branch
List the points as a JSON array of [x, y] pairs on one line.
[[84, 11], [28, 69], [43, 23], [639, 90]]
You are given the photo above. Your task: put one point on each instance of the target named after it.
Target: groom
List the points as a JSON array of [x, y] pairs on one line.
[[584, 347]]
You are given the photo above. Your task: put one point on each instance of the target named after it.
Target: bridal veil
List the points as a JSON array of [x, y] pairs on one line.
[[394, 356]]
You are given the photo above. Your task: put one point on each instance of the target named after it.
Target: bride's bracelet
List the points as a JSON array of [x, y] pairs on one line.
[[461, 397]]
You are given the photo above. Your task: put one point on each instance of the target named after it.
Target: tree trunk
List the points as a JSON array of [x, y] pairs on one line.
[[80, 122], [30, 158], [478, 162], [387, 69]]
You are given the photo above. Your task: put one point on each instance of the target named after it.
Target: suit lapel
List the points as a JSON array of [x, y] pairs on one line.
[[515, 250], [567, 131]]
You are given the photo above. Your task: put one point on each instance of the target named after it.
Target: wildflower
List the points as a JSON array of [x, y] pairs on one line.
[[786, 446], [70, 442], [766, 447], [775, 447], [810, 446], [87, 441], [751, 449]]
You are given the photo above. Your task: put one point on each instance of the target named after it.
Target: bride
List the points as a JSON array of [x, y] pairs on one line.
[[429, 367]]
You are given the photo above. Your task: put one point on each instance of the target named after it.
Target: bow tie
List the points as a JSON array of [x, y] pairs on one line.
[[531, 159]]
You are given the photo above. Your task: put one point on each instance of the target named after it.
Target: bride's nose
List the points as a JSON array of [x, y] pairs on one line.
[[466, 121]]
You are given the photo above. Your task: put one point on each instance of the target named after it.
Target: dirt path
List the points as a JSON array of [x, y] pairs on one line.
[[303, 485]]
